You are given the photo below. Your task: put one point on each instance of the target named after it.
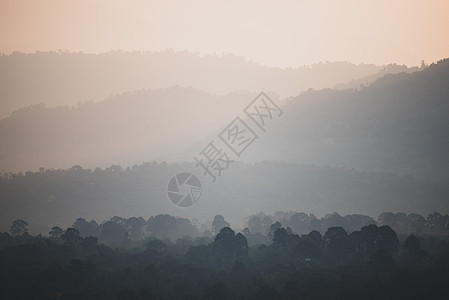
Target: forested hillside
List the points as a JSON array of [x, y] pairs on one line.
[[58, 197]]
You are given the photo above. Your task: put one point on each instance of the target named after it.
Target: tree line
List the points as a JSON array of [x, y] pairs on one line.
[[259, 228], [49, 197], [85, 261]]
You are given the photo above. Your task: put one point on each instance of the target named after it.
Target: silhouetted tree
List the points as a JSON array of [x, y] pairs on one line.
[[18, 227], [334, 220], [228, 243], [224, 241], [240, 245], [166, 226], [273, 228], [218, 223], [71, 237], [337, 243], [316, 237], [302, 223], [357, 221], [413, 255], [56, 232], [86, 228], [134, 226], [113, 233], [412, 243], [259, 224], [280, 238], [371, 238], [398, 222], [417, 223], [437, 224], [388, 240]]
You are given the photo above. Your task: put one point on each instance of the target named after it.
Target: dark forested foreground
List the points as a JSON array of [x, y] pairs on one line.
[[174, 258]]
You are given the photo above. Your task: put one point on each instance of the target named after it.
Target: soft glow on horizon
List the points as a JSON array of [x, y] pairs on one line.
[[281, 33]]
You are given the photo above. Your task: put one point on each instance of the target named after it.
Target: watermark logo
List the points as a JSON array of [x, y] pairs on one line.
[[184, 189], [214, 160], [238, 136], [262, 110]]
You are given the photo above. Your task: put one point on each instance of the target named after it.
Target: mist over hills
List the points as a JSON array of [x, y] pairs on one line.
[[58, 197], [398, 124], [126, 129], [62, 78], [358, 83], [157, 163]]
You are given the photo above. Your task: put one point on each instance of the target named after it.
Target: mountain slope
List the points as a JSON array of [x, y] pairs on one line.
[[398, 124], [125, 129], [60, 78]]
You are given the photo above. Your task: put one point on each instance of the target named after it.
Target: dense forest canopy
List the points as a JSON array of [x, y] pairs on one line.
[[116, 259]]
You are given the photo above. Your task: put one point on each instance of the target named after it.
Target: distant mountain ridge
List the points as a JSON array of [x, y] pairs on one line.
[[397, 124], [125, 129], [61, 78], [359, 83]]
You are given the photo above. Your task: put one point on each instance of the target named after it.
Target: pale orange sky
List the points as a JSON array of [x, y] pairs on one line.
[[275, 33]]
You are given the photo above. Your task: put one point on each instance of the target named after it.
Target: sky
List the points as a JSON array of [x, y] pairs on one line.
[[271, 33]]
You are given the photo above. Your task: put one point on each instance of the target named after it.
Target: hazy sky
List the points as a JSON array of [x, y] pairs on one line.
[[282, 33]]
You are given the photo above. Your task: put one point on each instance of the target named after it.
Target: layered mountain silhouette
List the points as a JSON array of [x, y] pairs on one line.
[[398, 124], [60, 78], [127, 129], [366, 150]]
